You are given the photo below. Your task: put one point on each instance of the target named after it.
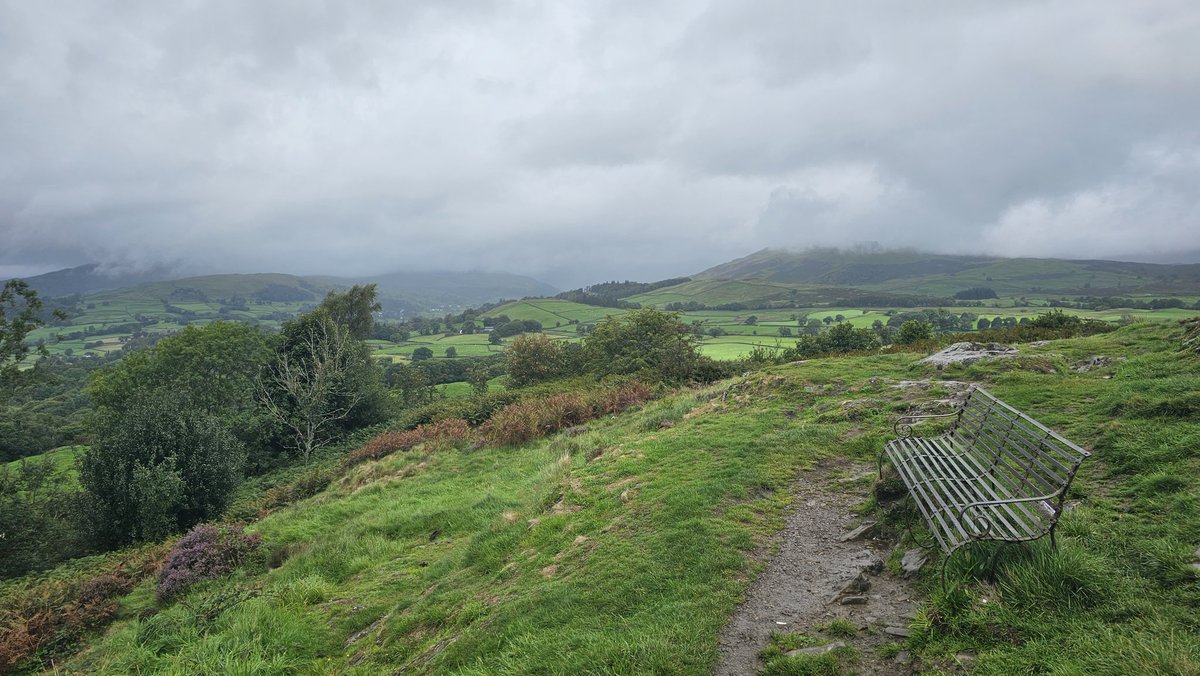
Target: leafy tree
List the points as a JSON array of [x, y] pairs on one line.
[[353, 309], [534, 358], [717, 332], [785, 331], [414, 385], [213, 367], [984, 324], [752, 320], [840, 338], [451, 352], [422, 353], [976, 293], [158, 467], [19, 315], [321, 376], [828, 320], [495, 339], [38, 524], [913, 331], [645, 341], [478, 376]]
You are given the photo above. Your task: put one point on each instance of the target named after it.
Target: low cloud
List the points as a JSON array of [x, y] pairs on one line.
[[585, 142]]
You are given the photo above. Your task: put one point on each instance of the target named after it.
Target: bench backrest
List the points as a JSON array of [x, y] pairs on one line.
[[1017, 450]]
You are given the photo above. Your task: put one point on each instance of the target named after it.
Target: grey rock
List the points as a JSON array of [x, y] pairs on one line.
[[859, 532], [817, 649], [902, 632], [965, 660], [853, 601], [871, 562], [1096, 362], [859, 584], [902, 657], [967, 353], [912, 562]]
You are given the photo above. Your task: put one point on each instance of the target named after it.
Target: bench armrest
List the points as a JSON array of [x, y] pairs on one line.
[[980, 526], [903, 425]]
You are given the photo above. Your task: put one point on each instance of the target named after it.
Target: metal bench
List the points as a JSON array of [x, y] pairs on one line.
[[996, 475]]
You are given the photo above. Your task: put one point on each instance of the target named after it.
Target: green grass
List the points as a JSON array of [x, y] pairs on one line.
[[625, 549], [63, 459]]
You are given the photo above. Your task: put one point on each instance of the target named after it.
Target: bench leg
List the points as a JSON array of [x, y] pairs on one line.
[[908, 525], [946, 562]]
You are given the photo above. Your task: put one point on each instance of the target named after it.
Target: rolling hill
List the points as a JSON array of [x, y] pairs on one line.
[[93, 278], [920, 273]]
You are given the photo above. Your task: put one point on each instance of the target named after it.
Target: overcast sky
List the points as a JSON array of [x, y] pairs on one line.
[[580, 141]]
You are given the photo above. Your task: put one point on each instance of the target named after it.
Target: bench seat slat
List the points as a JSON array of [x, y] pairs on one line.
[[946, 536], [974, 488], [1059, 472], [999, 466], [960, 491]]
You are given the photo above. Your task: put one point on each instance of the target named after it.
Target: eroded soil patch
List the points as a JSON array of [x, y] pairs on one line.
[[804, 587]]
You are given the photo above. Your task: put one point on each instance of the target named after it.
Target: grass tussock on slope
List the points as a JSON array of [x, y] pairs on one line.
[[623, 548]]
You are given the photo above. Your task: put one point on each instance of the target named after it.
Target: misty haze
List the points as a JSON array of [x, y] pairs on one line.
[[599, 338]]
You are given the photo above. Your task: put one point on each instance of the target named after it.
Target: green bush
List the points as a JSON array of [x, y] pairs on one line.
[[158, 468]]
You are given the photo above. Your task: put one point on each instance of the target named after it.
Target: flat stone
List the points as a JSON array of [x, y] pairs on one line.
[[902, 632], [853, 601], [902, 657], [967, 353], [912, 562], [859, 532], [965, 660], [817, 649]]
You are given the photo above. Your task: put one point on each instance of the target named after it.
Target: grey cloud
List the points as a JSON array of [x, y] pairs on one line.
[[589, 141]]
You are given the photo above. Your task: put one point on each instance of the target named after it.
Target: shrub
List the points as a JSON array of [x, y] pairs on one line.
[[207, 552], [305, 486], [620, 398], [534, 358], [48, 617], [534, 418], [439, 434], [913, 331], [157, 467]]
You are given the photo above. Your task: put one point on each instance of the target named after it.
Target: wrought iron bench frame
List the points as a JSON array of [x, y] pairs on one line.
[[996, 475]]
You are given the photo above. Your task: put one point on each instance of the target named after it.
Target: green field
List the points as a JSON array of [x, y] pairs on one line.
[[62, 458]]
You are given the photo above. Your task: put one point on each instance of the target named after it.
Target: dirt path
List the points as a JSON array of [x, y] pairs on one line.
[[796, 591]]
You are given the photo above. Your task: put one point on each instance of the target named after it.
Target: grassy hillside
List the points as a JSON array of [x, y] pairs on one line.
[[93, 278], [624, 548], [943, 275]]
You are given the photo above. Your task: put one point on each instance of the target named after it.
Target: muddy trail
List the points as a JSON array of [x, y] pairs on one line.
[[826, 569]]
